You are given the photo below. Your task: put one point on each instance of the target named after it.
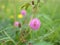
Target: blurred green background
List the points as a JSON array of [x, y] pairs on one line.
[[48, 12]]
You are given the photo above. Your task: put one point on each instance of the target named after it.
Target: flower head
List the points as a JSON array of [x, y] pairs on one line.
[[35, 24], [23, 12], [16, 24], [20, 16]]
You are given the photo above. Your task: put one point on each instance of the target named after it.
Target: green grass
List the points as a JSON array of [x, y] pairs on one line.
[[49, 14]]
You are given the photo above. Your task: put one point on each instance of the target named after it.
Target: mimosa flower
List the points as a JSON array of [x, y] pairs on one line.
[[35, 24], [23, 12], [20, 16], [16, 24]]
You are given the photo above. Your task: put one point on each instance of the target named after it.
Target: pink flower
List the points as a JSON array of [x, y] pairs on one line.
[[35, 24], [16, 24], [23, 12]]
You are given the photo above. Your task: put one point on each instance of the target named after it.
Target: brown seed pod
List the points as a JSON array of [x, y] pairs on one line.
[[32, 2], [19, 25]]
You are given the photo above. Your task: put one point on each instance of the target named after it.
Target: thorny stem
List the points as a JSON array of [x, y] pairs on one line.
[[31, 17], [33, 9], [38, 1]]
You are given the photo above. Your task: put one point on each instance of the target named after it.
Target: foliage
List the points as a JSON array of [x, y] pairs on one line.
[[48, 11]]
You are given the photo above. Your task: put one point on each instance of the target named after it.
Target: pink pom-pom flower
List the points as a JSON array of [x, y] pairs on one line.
[[35, 24], [16, 24], [23, 12]]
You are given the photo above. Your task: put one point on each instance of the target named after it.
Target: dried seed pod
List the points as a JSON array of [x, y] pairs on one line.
[[32, 2], [19, 25]]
